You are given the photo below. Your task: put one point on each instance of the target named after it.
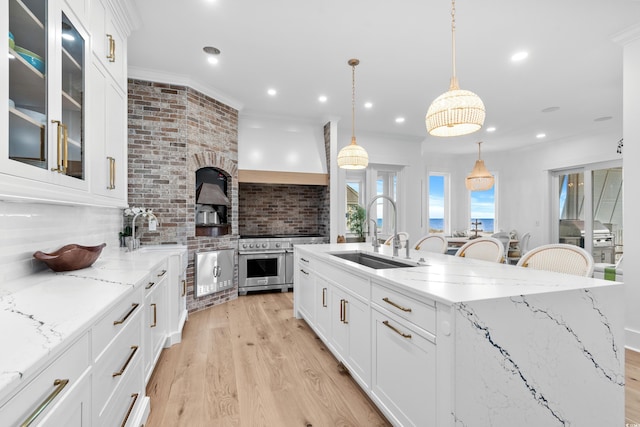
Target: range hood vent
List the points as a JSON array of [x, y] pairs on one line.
[[210, 194]]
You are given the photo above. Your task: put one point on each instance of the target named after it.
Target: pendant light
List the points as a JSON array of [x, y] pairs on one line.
[[353, 156], [479, 179], [455, 112]]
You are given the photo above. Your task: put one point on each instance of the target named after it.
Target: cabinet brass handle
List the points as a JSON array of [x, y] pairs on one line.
[[394, 329], [134, 396], [134, 349], [324, 297], [126, 316], [184, 287], [59, 386], [62, 144], [341, 311], [112, 49], [155, 313], [304, 272], [398, 306], [150, 285], [162, 273], [112, 173], [304, 260], [345, 312]]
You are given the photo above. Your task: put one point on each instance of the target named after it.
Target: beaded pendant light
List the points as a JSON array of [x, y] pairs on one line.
[[457, 111], [479, 179], [353, 156]]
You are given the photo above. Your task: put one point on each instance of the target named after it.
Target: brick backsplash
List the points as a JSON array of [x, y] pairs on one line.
[[29, 227], [173, 131], [282, 209]]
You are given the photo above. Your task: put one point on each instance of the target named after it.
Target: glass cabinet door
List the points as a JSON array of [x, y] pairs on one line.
[[47, 55], [72, 128], [28, 82]]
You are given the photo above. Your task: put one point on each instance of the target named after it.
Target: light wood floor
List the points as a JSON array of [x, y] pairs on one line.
[[250, 363]]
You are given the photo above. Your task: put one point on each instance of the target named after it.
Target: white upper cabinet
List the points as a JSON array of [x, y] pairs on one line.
[[59, 142]]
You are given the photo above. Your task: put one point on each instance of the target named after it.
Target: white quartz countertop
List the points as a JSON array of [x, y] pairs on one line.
[[39, 313], [451, 279]]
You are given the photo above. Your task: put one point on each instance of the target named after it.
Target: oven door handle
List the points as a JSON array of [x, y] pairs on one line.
[[261, 253]]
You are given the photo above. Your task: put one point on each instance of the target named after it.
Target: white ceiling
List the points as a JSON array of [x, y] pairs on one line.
[[301, 48]]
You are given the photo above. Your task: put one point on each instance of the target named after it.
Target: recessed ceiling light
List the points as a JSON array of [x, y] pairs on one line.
[[368, 105], [603, 119], [322, 98], [491, 129], [519, 56], [400, 120], [213, 60], [212, 54], [272, 92], [541, 135], [550, 109]]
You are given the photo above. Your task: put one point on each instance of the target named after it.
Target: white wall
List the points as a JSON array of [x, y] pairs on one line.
[[631, 175], [280, 144]]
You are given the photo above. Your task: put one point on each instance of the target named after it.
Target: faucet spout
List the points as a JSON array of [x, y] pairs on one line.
[[374, 239], [135, 244], [396, 238]]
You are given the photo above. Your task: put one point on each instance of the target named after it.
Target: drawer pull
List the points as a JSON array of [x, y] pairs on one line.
[[155, 318], [394, 329], [121, 371], [112, 49], [304, 272], [184, 287], [343, 311], [304, 260], [162, 273], [398, 306], [324, 297], [126, 316], [150, 285], [134, 396], [59, 385]]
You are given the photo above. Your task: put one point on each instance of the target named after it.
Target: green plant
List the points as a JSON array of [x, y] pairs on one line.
[[356, 216]]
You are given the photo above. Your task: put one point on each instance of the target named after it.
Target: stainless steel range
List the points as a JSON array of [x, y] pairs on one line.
[[572, 232], [266, 261]]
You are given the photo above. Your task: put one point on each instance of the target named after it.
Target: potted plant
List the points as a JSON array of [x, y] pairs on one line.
[[356, 217]]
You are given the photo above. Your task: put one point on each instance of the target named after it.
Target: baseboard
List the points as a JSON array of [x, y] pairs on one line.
[[632, 339]]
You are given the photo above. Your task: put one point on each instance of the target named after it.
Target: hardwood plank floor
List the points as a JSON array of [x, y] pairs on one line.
[[250, 363]]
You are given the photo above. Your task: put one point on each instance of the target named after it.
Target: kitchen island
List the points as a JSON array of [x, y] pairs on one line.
[[458, 342]]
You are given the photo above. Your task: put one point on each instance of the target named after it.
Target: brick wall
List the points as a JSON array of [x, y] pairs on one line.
[[282, 209], [173, 131]]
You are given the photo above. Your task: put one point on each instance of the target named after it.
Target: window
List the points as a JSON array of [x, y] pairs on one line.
[[590, 204], [386, 184], [483, 211], [438, 203], [355, 195]]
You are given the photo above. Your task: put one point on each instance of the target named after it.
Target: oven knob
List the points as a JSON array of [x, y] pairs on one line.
[[251, 245], [264, 245], [277, 245], [244, 246]]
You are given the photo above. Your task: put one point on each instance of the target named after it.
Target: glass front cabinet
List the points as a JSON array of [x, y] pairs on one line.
[[46, 77]]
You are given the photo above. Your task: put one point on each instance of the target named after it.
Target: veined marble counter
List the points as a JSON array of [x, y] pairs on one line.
[[40, 312], [514, 346], [453, 279]]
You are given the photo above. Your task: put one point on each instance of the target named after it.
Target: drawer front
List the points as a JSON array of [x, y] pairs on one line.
[[420, 313], [117, 362], [160, 273], [355, 284], [115, 321], [50, 386], [123, 408], [305, 261]]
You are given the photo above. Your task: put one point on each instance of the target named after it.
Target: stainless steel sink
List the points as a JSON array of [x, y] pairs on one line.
[[377, 262]]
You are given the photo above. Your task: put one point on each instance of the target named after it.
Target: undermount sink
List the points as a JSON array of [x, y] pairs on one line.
[[377, 262]]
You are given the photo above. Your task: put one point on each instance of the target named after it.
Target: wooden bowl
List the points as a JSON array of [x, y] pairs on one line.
[[70, 257]]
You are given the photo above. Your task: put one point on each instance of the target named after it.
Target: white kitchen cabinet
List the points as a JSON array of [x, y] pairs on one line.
[[403, 378], [156, 317], [177, 296], [323, 311], [306, 279], [52, 394], [350, 332], [44, 79], [108, 42], [108, 131]]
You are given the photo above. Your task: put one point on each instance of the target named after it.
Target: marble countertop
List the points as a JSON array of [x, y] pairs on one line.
[[39, 313], [451, 280]]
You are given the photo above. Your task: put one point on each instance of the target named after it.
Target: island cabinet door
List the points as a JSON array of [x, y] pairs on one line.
[[404, 371], [306, 289], [323, 309], [350, 334]]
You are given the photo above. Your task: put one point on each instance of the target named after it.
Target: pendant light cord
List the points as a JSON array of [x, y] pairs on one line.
[[454, 79], [480, 142], [353, 102]]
